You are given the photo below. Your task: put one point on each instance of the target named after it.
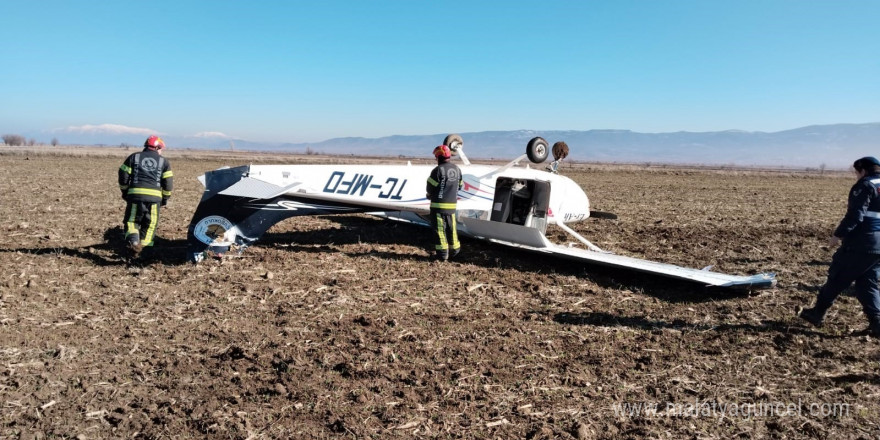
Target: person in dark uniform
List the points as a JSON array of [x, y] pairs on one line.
[[146, 181], [442, 190], [858, 257]]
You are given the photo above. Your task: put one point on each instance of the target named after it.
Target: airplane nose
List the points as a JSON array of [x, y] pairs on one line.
[[574, 204]]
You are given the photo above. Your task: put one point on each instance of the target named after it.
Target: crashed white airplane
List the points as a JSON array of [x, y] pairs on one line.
[[510, 205]]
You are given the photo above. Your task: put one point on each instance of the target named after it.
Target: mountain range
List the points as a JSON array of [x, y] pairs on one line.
[[819, 146]]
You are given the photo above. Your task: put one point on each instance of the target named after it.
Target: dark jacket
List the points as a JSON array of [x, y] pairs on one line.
[[860, 227], [146, 177], [443, 185]]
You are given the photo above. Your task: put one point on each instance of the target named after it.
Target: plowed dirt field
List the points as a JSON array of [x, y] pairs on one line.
[[340, 327]]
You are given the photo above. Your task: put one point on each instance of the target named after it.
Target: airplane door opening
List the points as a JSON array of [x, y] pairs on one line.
[[521, 202]]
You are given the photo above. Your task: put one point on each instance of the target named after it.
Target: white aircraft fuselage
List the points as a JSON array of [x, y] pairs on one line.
[[402, 187]]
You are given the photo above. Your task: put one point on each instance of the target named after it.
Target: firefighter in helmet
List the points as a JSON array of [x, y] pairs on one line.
[[442, 190], [146, 181]]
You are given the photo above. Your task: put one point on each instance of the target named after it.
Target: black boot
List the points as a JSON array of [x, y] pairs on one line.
[[133, 246], [813, 316]]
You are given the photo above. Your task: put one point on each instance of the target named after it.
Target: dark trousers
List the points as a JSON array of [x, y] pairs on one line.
[[846, 268], [446, 233], [140, 222]]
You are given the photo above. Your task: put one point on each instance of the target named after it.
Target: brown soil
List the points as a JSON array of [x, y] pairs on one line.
[[341, 327]]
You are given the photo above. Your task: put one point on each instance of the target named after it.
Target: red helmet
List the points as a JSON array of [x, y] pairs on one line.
[[442, 151], [154, 143]]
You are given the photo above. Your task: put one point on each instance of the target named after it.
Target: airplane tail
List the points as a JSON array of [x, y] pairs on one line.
[[236, 210]]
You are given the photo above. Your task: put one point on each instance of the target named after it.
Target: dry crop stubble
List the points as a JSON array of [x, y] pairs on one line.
[[340, 326]]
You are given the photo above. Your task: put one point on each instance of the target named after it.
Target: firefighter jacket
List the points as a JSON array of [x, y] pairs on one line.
[[860, 227], [443, 185], [146, 177]]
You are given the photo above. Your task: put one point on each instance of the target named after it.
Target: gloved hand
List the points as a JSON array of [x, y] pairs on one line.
[[164, 202], [124, 195]]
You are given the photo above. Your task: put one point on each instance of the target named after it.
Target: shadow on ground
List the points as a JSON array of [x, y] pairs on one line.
[[380, 232], [112, 251], [376, 231]]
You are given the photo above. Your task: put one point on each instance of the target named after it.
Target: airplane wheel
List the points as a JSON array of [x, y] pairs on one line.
[[560, 150], [453, 141], [537, 150]]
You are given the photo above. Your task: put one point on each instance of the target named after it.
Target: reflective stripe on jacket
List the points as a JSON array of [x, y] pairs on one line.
[[443, 185], [146, 176]]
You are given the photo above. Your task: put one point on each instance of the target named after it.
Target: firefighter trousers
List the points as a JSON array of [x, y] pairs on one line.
[[446, 234], [140, 222]]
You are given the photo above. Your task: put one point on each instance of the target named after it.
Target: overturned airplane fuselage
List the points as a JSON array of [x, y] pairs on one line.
[[508, 205]]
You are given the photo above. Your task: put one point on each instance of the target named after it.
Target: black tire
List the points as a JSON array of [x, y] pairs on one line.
[[453, 141], [537, 150]]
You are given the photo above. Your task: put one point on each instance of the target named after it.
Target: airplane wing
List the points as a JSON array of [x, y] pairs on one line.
[[707, 277], [534, 240]]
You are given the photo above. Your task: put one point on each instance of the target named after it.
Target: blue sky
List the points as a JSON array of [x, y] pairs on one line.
[[297, 71]]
